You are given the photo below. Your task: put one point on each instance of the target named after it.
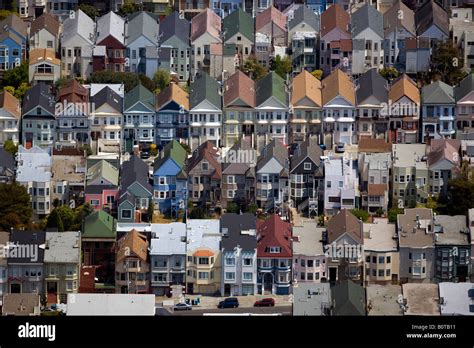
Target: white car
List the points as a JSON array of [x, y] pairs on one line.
[[182, 307]]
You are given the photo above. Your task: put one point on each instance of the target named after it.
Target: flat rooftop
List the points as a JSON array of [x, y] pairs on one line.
[[68, 168], [378, 236], [408, 155], [310, 236], [311, 298], [422, 299], [456, 300], [383, 299], [451, 230]]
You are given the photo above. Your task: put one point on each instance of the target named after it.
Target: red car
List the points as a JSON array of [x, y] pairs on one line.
[[266, 302]]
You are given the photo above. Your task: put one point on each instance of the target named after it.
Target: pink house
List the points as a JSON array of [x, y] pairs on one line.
[[100, 197], [102, 185]]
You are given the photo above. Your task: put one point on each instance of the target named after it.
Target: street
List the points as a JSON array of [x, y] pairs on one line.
[[283, 310]]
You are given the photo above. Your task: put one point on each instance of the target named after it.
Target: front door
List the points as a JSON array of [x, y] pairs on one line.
[[268, 283], [15, 288], [332, 274]]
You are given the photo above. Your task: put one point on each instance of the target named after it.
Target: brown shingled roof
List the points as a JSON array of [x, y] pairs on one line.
[[9, 103], [334, 17], [270, 14], [305, 85], [38, 55], [404, 86], [370, 145], [208, 151], [338, 84], [45, 21], [444, 149], [239, 86], [132, 243], [73, 92], [345, 222], [172, 93], [206, 21], [377, 189]]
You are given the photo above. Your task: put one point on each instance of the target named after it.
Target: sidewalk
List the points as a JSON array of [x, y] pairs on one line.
[[244, 301]]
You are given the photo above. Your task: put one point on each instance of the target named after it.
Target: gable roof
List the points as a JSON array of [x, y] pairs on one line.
[[338, 84], [444, 149], [345, 222], [107, 96], [392, 20], [465, 87], [307, 149], [204, 88], [334, 17], [172, 93], [438, 93], [15, 22], [210, 153], [9, 34], [172, 150], [73, 91], [271, 85], [349, 298], [274, 149], [10, 104], [274, 232], [239, 86], [206, 21], [304, 15], [7, 161], [271, 14], [305, 85], [38, 95], [173, 25], [47, 55], [240, 168], [81, 25], [134, 170], [46, 21], [105, 170], [132, 242], [430, 13], [372, 84], [140, 94], [111, 24], [238, 22], [404, 87], [142, 23], [367, 16]]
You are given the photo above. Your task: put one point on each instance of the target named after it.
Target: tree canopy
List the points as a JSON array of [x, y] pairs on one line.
[[129, 79], [89, 10], [446, 65], [15, 206], [282, 66], [17, 76], [161, 79], [253, 69]]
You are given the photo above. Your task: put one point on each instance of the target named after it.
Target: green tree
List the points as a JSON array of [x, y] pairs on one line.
[[89, 10], [460, 196], [197, 213], [67, 216], [80, 213], [252, 208], [233, 208], [21, 91], [282, 66], [151, 210], [129, 79], [5, 13], [16, 76], [128, 7], [446, 64], [318, 74], [393, 213], [54, 221], [87, 149], [10, 147], [186, 147], [162, 79], [61, 82], [253, 69], [360, 214], [389, 73], [14, 200]]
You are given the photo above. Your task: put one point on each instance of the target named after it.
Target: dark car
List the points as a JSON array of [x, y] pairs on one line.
[[230, 302], [265, 302], [145, 155], [340, 147], [322, 147]]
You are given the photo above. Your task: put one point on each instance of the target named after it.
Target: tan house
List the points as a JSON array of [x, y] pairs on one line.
[[44, 66]]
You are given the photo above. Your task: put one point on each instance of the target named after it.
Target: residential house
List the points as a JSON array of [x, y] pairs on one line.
[[167, 256], [272, 172], [159, 7], [409, 175], [7, 167], [61, 265], [238, 175], [307, 176], [25, 273], [102, 180], [339, 105], [239, 105], [34, 172], [4, 242], [382, 259], [45, 32], [141, 33], [305, 107], [444, 164], [374, 171], [21, 304], [460, 24], [204, 175], [138, 118], [371, 96], [312, 299], [344, 244], [470, 220], [174, 33], [169, 178], [109, 49], [97, 245], [68, 180], [38, 117], [132, 267], [190, 10], [464, 94], [432, 22], [254, 7], [438, 111], [416, 240], [13, 40], [303, 30], [239, 254], [399, 25], [205, 31], [367, 39], [349, 299], [309, 259], [205, 112], [203, 257], [271, 109], [77, 44], [272, 25], [172, 115], [274, 256], [43, 66], [418, 54], [335, 40], [62, 8], [452, 247], [10, 112], [456, 298], [403, 110], [238, 29]]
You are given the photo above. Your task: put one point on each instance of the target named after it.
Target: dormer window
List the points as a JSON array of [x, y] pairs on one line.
[[205, 166], [275, 250], [307, 165]]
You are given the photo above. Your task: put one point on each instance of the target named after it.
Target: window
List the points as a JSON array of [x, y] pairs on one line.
[[381, 259], [230, 275], [204, 275], [94, 202], [389, 259], [204, 166], [275, 250], [126, 214], [310, 276], [381, 272], [303, 276], [307, 165], [229, 261], [203, 261], [248, 276], [248, 262], [303, 263]]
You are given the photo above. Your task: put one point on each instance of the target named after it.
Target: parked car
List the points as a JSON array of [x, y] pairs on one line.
[[230, 302], [322, 147], [182, 307], [144, 155], [340, 148], [265, 302]]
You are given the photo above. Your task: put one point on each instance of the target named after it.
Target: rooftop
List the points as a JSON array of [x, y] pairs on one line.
[[111, 304], [203, 233], [62, 247], [168, 239], [311, 298], [415, 228], [307, 239], [378, 236], [383, 299], [34, 164], [455, 299], [409, 155], [422, 299], [239, 230], [69, 168], [450, 230]]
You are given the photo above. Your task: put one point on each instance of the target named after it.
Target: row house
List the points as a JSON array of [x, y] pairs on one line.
[[274, 256], [10, 113], [464, 94], [169, 178], [270, 24], [203, 257], [205, 112], [303, 30], [367, 39], [4, 240], [470, 220], [335, 40], [238, 175], [109, 50], [226, 7], [77, 45], [305, 107], [309, 259], [174, 41], [132, 266], [205, 32], [13, 41], [8, 167], [374, 171], [68, 181], [461, 26], [167, 257], [138, 118], [45, 32], [191, 9], [135, 192], [372, 96], [62, 8], [204, 175], [272, 173], [238, 30], [444, 164], [271, 110], [172, 115], [141, 37], [307, 176], [34, 172], [102, 179], [239, 254], [43, 66]]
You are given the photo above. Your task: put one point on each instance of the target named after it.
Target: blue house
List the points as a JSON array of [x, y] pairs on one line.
[[13, 39], [169, 179]]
